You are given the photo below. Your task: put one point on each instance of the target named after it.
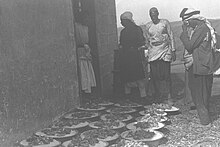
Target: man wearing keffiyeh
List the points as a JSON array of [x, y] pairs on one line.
[[201, 45]]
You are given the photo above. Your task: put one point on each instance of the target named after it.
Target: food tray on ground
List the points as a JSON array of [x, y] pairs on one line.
[[115, 116], [57, 132], [153, 112], [129, 143], [71, 123], [110, 124], [163, 107], [142, 135], [39, 141], [156, 117], [145, 125], [87, 142], [81, 115], [101, 134]]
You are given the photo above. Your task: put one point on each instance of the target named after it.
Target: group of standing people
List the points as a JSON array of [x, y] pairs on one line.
[[199, 40], [157, 38]]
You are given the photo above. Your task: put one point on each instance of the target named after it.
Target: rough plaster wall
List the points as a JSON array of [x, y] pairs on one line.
[[106, 40], [38, 79]]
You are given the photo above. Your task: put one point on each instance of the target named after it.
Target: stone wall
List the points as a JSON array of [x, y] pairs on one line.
[[38, 73], [106, 41]]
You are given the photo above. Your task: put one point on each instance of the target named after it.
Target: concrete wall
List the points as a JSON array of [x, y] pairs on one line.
[[106, 41], [38, 78]]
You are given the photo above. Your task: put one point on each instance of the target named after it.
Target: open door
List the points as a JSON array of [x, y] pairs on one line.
[[89, 6]]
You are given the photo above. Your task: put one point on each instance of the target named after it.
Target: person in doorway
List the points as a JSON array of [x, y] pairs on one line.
[[131, 55], [161, 52], [87, 76], [201, 45]]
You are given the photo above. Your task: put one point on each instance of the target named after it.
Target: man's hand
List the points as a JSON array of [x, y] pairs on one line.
[[142, 48]]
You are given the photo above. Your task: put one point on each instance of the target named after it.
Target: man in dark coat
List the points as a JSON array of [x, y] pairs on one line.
[[131, 55]]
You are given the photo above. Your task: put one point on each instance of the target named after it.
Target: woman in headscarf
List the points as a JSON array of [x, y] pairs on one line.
[[130, 55], [201, 46]]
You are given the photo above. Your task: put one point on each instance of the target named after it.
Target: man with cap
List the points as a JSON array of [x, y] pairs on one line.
[[201, 46], [161, 52], [130, 55]]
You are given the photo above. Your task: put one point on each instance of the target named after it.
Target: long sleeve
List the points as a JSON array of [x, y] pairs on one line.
[[197, 38], [141, 38]]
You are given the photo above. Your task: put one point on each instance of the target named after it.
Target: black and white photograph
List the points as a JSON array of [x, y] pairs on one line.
[[109, 73]]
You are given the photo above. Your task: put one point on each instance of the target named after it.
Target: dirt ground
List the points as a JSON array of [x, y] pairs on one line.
[[9, 136]]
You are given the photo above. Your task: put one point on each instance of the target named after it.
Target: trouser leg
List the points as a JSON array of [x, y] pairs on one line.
[[154, 67], [200, 86]]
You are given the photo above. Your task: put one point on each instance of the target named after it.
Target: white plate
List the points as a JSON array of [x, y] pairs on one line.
[[132, 126], [158, 135], [103, 117], [173, 109], [80, 125], [92, 125], [71, 115], [144, 113], [163, 119], [92, 109], [52, 144], [132, 106], [72, 133], [100, 144], [109, 138], [120, 111]]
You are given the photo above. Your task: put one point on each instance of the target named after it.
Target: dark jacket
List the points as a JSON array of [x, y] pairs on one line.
[[130, 58]]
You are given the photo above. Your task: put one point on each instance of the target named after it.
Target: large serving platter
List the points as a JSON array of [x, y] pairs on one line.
[[105, 103], [71, 123], [132, 126], [159, 118], [156, 112], [99, 144], [162, 107], [57, 132], [81, 115], [129, 143], [137, 135], [101, 134], [120, 117], [39, 141], [107, 124]]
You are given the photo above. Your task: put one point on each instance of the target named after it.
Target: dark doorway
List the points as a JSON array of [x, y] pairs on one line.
[[89, 7]]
